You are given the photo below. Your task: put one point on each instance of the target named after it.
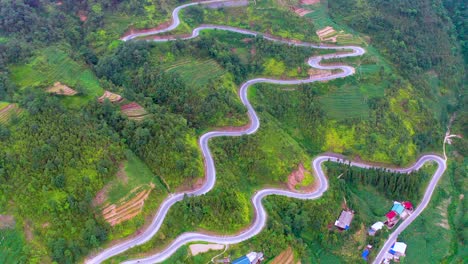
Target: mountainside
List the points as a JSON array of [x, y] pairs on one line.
[[95, 132]]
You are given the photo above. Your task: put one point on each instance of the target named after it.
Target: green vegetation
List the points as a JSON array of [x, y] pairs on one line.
[[196, 72], [55, 159], [295, 222], [13, 249], [50, 182], [399, 29], [54, 65], [268, 16], [437, 235]]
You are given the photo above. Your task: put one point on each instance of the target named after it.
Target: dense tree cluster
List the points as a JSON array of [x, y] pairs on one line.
[[51, 168], [416, 35]]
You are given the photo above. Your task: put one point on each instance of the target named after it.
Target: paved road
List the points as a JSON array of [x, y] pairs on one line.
[[210, 173]]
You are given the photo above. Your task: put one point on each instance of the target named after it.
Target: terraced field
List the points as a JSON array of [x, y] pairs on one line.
[[134, 111], [350, 101], [195, 72], [8, 110]]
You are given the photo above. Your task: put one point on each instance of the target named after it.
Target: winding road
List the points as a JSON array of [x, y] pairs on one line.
[[210, 169]]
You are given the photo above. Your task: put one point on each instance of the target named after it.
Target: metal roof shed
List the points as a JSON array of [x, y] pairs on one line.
[[241, 260]]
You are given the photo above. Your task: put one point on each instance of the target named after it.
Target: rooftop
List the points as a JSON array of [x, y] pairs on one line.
[[241, 260], [390, 215], [398, 247], [398, 208], [344, 220], [377, 226]]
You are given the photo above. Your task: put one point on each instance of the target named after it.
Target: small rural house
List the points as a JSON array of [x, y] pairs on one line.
[[398, 208], [251, 258], [344, 221], [375, 227]]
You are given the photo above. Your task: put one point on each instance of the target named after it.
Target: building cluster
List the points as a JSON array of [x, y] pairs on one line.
[[397, 250], [399, 211]]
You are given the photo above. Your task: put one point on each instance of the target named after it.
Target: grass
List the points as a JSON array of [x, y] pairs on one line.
[[195, 72], [350, 100], [11, 246], [3, 105], [321, 19], [137, 174], [53, 64], [434, 236]]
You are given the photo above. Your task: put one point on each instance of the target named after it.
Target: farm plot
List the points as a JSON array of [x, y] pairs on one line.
[[8, 110], [301, 11], [194, 71], [285, 257], [127, 207], [134, 111], [52, 64], [112, 97], [61, 89], [331, 35], [350, 101]]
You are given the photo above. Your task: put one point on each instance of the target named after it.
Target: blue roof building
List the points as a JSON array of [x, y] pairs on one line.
[[398, 208], [241, 260], [365, 254]]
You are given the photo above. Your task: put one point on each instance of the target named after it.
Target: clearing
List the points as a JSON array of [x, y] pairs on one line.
[[301, 11], [318, 73], [300, 180], [191, 73], [133, 111], [52, 64], [124, 196], [112, 97], [285, 257], [309, 2], [196, 249], [61, 89], [7, 221], [128, 207], [331, 35]]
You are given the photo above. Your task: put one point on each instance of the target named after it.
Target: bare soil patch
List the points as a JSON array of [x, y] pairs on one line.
[[7, 221], [101, 195], [127, 207], [443, 209], [295, 179], [133, 30], [28, 232], [309, 2], [82, 15], [285, 257], [329, 34], [196, 249], [61, 89], [318, 73], [112, 97], [301, 11], [134, 111]]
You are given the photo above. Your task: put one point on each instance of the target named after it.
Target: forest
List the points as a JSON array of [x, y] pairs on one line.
[[57, 153]]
